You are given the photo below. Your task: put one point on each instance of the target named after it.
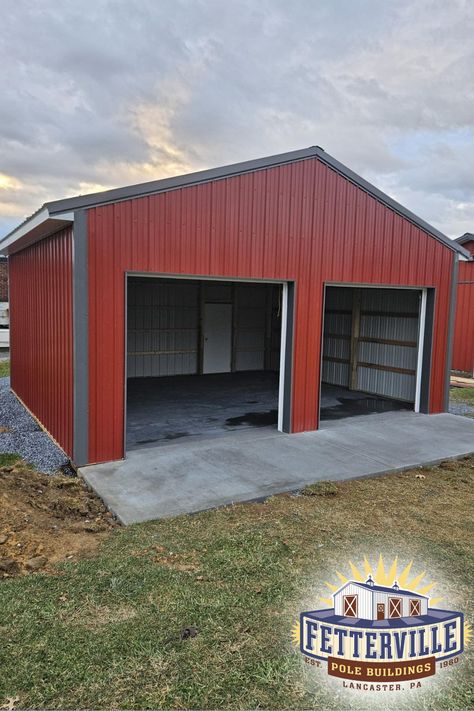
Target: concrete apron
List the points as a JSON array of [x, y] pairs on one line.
[[193, 475]]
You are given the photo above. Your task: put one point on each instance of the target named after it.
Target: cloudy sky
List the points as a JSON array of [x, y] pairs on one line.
[[102, 93]]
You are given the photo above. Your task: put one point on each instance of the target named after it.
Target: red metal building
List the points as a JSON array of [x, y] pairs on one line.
[[364, 290], [463, 348]]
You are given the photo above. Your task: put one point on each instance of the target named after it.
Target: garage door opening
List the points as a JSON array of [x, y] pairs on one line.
[[203, 358], [373, 342]]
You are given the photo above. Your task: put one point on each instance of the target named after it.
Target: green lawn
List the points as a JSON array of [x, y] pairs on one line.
[[7, 459], [105, 632], [4, 368], [462, 395]]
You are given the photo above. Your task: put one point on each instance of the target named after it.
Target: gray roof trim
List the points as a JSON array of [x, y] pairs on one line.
[[389, 202], [157, 186], [179, 181], [466, 237], [40, 225]]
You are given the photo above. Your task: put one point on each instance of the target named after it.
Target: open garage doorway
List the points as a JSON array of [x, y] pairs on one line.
[[204, 358], [376, 351]]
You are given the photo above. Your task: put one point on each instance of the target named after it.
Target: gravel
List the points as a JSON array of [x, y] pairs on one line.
[[24, 436], [461, 408]]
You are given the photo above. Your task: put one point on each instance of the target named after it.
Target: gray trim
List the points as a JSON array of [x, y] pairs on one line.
[[288, 384], [179, 181], [427, 352], [388, 201], [157, 186], [466, 237], [81, 339], [125, 374], [451, 322]]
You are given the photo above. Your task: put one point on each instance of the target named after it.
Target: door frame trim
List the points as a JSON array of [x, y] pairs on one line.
[[421, 344]]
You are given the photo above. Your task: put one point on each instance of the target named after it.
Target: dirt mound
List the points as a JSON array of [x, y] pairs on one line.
[[46, 519]]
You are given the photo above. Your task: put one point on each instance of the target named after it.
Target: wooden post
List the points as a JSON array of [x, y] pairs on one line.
[[355, 333]]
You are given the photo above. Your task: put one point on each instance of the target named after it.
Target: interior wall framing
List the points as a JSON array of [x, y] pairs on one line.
[[371, 340], [165, 325]]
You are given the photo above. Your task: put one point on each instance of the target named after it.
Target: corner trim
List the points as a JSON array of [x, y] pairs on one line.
[[451, 323], [81, 339]]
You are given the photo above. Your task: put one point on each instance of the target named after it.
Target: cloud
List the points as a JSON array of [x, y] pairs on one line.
[[108, 93]]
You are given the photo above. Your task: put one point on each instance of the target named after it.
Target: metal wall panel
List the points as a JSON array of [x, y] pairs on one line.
[[388, 315], [337, 336], [300, 222], [395, 385], [162, 327], [463, 347], [41, 334], [250, 326], [388, 319]]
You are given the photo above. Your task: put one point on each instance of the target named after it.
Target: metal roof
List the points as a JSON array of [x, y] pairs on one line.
[[80, 202], [466, 237], [381, 588]]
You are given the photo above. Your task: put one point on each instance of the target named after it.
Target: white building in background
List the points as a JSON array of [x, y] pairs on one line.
[[4, 325], [4, 310], [368, 601]]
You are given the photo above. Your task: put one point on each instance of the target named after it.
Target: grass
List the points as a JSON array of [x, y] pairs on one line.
[[106, 632], [4, 368], [462, 395], [7, 460]]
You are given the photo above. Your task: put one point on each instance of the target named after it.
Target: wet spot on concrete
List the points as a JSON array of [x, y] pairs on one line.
[[254, 419], [350, 407]]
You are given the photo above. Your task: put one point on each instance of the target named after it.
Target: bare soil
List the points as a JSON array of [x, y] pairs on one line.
[[47, 519]]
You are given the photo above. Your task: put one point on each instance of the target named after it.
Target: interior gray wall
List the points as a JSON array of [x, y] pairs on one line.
[[164, 325], [386, 315], [337, 335]]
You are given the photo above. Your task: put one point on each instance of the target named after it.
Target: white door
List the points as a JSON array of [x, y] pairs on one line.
[[217, 338]]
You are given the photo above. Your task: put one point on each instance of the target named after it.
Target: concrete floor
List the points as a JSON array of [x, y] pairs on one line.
[[200, 473], [161, 410]]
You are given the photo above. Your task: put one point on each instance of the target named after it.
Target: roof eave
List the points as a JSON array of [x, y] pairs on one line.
[[37, 227]]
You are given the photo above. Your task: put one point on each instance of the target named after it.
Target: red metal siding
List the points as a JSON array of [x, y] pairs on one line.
[[463, 348], [41, 333], [300, 221], [469, 245]]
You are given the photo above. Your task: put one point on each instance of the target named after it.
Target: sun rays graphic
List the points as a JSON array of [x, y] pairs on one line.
[[467, 633], [295, 634]]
